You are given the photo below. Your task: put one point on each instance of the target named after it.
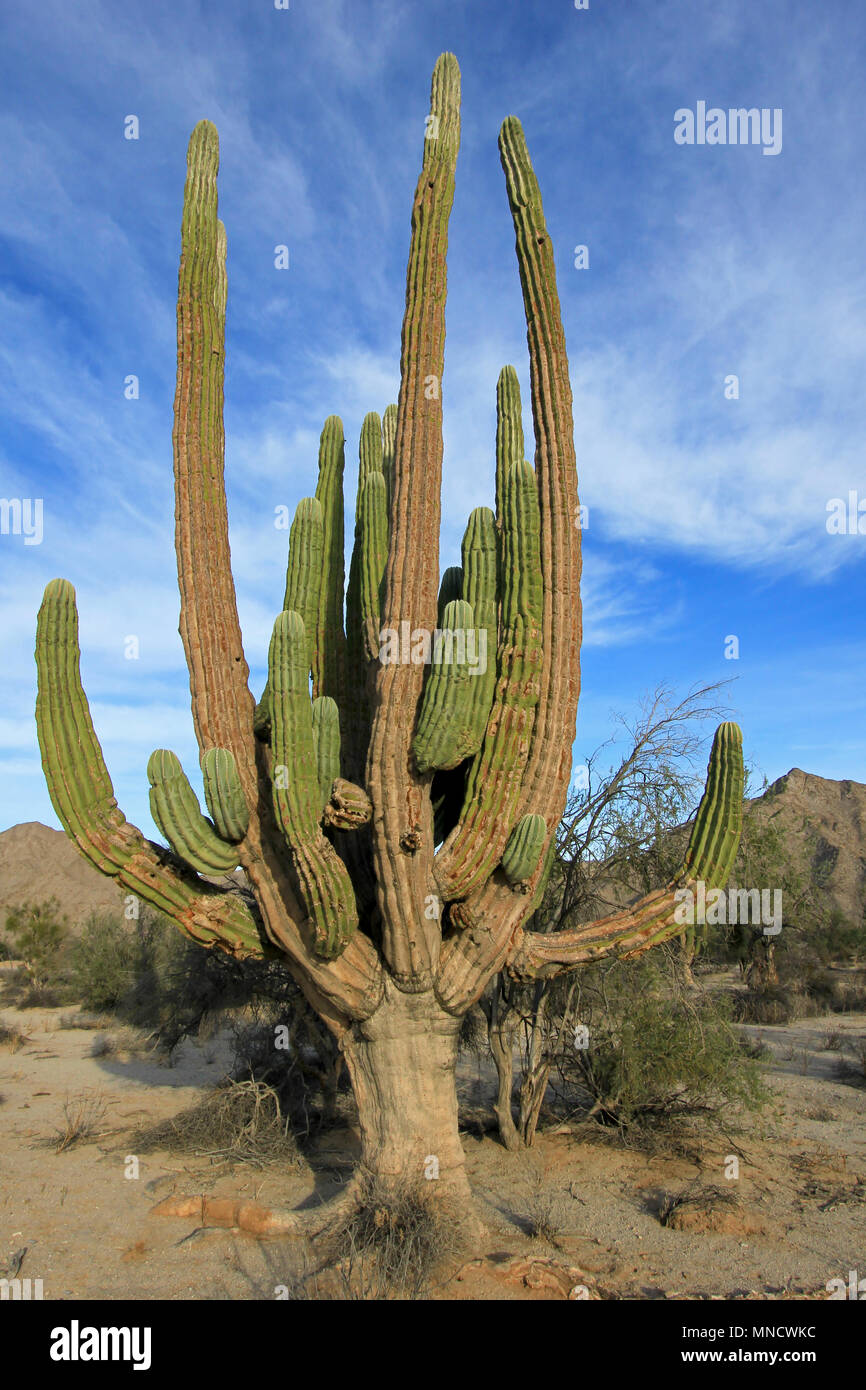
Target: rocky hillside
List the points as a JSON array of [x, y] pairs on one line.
[[822, 829], [823, 824], [37, 863]]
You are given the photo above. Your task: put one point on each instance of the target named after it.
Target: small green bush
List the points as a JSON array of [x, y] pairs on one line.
[[38, 931], [654, 1056]]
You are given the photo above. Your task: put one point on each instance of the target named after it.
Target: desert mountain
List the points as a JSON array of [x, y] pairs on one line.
[[37, 863], [823, 824]]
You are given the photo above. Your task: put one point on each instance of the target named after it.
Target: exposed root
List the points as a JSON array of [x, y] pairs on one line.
[[256, 1220]]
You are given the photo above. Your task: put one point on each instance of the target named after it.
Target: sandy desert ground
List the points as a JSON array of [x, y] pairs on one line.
[[794, 1219]]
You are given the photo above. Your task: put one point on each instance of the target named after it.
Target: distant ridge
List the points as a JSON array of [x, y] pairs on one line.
[[823, 823], [37, 862]]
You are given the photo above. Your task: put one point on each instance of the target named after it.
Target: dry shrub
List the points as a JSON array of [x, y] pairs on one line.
[[774, 1005], [542, 1207], [11, 1038], [390, 1247], [708, 1211], [84, 1020], [240, 1121], [851, 1068], [82, 1119]]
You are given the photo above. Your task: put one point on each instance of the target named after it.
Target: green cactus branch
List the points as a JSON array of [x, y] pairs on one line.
[[329, 647], [222, 705], [402, 820], [224, 794], [325, 888], [652, 919], [83, 796], [175, 809]]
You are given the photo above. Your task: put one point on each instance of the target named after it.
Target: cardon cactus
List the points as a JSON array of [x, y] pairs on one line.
[[382, 806]]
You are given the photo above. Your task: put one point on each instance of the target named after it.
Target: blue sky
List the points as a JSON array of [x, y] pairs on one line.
[[707, 516]]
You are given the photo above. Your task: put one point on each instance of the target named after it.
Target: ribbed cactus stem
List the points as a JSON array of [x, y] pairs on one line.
[[222, 704], [83, 797], [655, 918], [369, 556], [450, 589], [389, 436], [524, 849], [715, 836], [522, 583], [370, 449], [374, 556], [224, 794], [306, 566], [546, 775], [447, 730], [323, 880], [303, 588], [175, 809], [329, 648], [326, 742], [509, 432], [481, 592], [403, 825]]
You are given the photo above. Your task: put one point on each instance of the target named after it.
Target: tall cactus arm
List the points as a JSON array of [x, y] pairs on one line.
[[446, 734], [306, 567], [222, 705], [545, 780], [374, 555], [510, 446], [545, 783], [303, 588], [329, 648], [494, 784], [481, 592], [402, 819], [83, 797], [326, 745], [370, 529], [324, 883], [471, 956], [389, 436]]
